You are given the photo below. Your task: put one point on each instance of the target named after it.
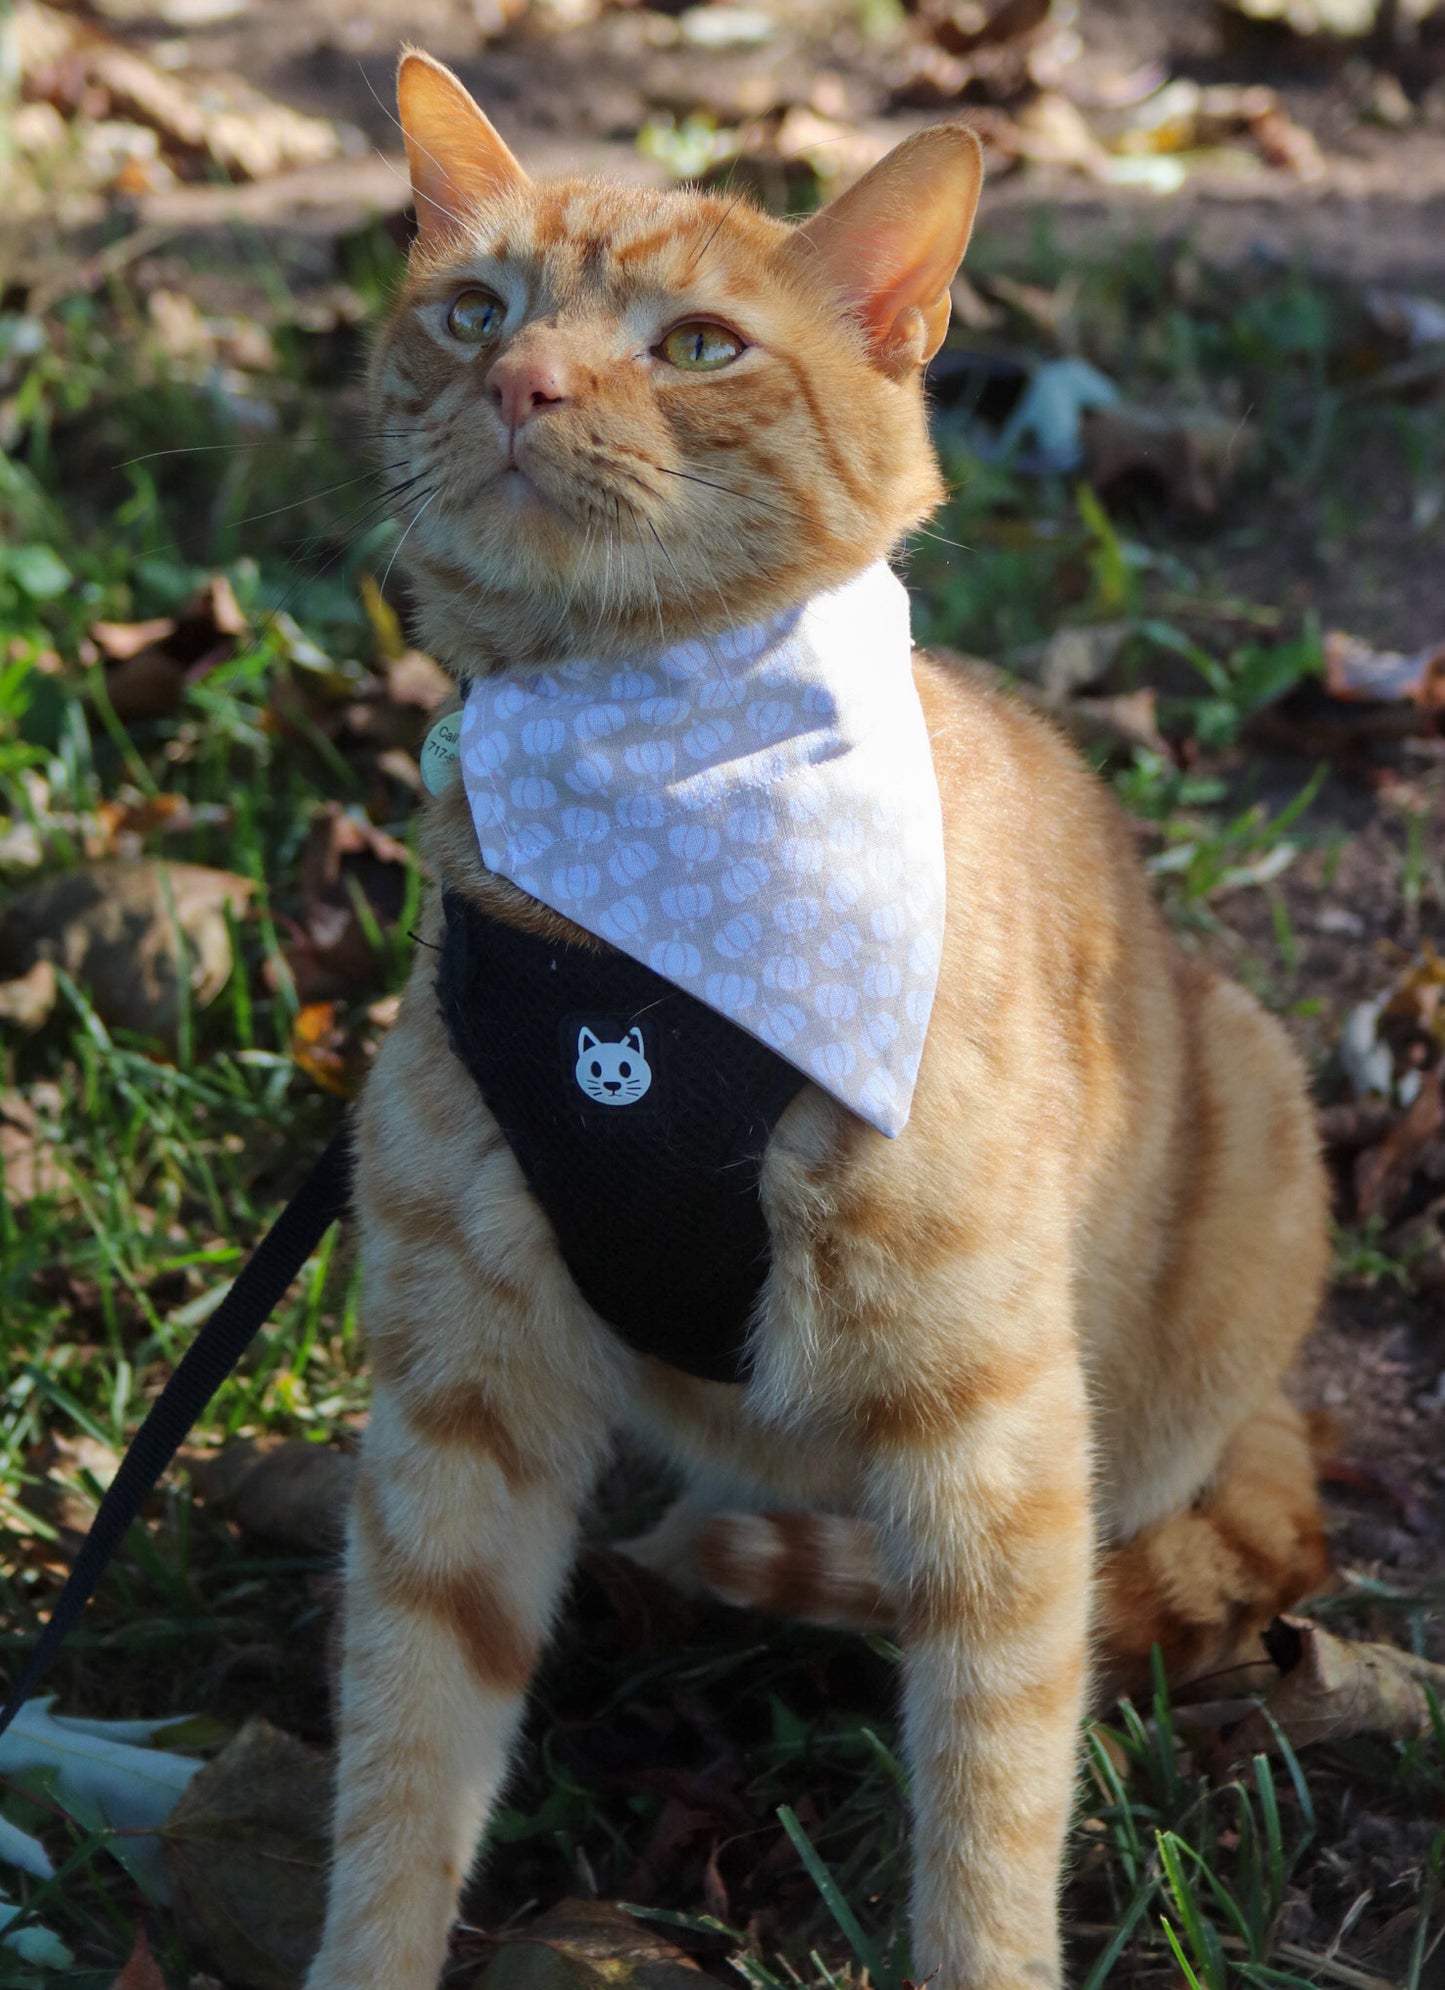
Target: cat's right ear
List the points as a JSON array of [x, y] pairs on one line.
[[586, 1041], [890, 245], [458, 161]]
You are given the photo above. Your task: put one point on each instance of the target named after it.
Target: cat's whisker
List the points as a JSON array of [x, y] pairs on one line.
[[313, 497], [743, 497], [277, 511], [215, 448], [651, 576], [943, 539], [682, 586], [369, 513], [717, 228], [607, 583], [273, 442], [416, 518], [412, 140]]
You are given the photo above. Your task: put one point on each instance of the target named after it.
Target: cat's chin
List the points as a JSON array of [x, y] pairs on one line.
[[511, 494], [514, 487]]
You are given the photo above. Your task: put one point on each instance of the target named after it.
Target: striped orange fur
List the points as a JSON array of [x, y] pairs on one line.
[[1015, 1376]]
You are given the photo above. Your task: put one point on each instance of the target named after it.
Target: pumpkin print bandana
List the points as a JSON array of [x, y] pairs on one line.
[[753, 815]]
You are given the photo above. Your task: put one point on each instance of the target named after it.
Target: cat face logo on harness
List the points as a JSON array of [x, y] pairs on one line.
[[612, 1074]]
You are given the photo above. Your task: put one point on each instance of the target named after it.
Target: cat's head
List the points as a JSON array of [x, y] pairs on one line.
[[612, 1074], [627, 415]]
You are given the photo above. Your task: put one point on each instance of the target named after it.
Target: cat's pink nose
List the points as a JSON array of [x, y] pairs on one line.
[[521, 382]]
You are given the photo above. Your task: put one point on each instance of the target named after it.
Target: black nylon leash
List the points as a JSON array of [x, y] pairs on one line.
[[321, 1199]]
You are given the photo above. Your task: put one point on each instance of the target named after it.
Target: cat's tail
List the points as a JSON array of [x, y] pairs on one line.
[[1200, 1584]]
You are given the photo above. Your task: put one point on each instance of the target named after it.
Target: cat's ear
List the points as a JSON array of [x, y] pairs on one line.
[[633, 1042], [457, 160], [586, 1041], [890, 245]]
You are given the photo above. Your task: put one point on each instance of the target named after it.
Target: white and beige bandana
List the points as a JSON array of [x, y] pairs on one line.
[[753, 815]]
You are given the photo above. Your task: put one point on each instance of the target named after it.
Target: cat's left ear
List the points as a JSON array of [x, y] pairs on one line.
[[457, 159], [891, 244]]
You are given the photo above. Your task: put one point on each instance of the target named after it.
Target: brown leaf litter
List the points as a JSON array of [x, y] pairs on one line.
[[588, 1945], [1387, 1148], [246, 1850], [130, 934], [288, 1493], [353, 881], [1324, 1689], [138, 127], [147, 664]]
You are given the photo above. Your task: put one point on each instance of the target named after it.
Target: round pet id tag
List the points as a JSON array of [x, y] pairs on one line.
[[439, 753]]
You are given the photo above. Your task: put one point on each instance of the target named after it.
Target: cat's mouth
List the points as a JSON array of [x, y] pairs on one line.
[[522, 474], [517, 486]]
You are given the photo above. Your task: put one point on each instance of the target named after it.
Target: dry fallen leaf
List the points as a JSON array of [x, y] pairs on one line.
[[1115, 727], [589, 1945], [147, 663], [145, 686], [27, 999], [139, 126], [322, 1048], [415, 679], [246, 1849], [1338, 20], [125, 931], [57, 1492], [293, 1493], [1330, 1688], [352, 875], [1359, 673], [1383, 1173], [1073, 658], [119, 641], [128, 821], [140, 1972]]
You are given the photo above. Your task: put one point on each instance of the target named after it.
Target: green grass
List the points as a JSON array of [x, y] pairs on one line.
[[127, 479]]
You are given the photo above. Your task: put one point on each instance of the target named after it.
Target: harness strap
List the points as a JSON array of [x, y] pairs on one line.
[[321, 1199]]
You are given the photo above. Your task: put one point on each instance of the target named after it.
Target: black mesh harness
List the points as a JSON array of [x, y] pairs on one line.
[[639, 1117]]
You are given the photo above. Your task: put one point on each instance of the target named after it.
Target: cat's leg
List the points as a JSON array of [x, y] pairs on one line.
[[454, 1568], [491, 1412], [980, 1493]]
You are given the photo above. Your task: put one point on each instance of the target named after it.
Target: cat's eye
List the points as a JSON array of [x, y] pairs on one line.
[[475, 317], [699, 346]]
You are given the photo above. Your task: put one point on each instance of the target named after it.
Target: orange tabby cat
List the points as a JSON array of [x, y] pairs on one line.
[[1014, 1375]]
